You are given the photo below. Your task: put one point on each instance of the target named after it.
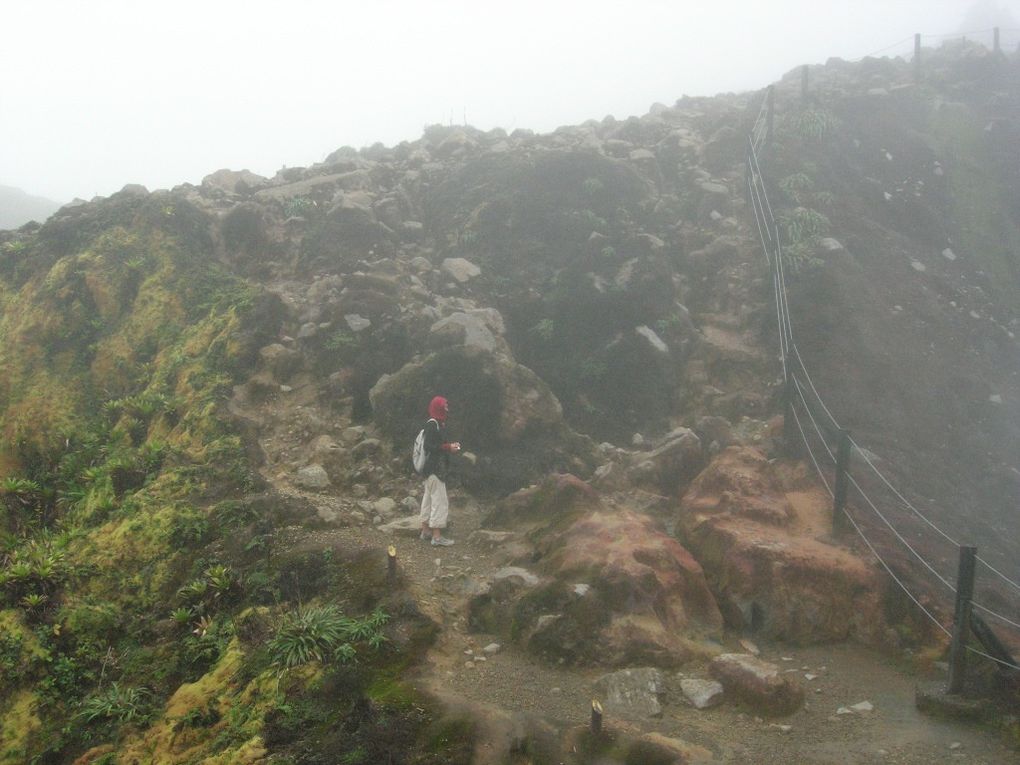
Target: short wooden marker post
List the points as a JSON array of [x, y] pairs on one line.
[[596, 717], [961, 618], [391, 564]]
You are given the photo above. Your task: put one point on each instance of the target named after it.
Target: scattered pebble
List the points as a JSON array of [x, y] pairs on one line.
[[956, 745], [862, 706], [918, 265], [750, 647], [492, 648], [555, 690], [469, 665], [810, 676], [843, 711]]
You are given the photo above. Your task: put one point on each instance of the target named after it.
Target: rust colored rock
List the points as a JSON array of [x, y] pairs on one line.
[[757, 684], [739, 482], [756, 538], [654, 590]]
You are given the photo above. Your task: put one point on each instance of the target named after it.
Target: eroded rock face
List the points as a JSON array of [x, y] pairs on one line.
[[615, 590], [761, 558], [757, 684]]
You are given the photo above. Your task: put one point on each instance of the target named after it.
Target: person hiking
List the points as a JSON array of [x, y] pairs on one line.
[[435, 506]]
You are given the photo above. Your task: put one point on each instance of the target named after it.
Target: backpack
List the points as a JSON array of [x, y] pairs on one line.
[[418, 455]]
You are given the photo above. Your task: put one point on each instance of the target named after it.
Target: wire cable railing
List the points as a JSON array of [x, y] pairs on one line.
[[790, 355]]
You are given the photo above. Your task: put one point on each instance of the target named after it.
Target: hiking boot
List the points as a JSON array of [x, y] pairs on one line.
[[441, 542]]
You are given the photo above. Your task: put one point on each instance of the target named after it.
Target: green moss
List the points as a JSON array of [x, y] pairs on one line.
[[18, 721]]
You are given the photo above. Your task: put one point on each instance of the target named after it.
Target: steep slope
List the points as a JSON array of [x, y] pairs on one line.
[[909, 320], [209, 395]]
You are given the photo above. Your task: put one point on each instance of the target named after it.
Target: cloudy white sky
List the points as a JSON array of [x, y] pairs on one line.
[[97, 94]]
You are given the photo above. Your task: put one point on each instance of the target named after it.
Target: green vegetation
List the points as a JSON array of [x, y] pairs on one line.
[[811, 124], [323, 634], [801, 228]]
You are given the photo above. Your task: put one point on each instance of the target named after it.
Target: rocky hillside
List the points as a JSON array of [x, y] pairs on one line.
[[209, 396]]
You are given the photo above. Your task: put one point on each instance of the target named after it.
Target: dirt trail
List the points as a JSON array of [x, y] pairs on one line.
[[511, 685]]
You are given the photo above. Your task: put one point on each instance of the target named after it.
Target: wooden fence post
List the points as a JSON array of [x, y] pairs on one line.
[[917, 57], [961, 618], [596, 717], [391, 564], [839, 520]]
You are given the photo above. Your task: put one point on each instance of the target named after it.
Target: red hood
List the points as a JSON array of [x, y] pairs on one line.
[[437, 409]]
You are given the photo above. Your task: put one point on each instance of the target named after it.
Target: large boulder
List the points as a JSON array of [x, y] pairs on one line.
[[755, 538], [615, 589], [501, 411]]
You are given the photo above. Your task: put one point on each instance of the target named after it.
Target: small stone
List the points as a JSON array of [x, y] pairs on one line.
[[312, 477], [555, 690], [862, 706], [809, 676], [887, 195], [782, 728], [715, 215], [750, 647], [357, 323], [918, 266], [956, 745], [702, 694], [469, 652], [948, 254], [995, 398], [581, 589], [843, 711], [285, 389], [469, 665], [492, 648]]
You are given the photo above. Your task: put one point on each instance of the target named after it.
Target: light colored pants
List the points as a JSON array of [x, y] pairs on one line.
[[435, 507]]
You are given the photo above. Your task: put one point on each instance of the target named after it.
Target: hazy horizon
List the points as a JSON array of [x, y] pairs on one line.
[[99, 95]]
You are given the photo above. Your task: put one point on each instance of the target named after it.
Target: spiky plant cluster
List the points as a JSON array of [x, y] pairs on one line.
[[118, 704], [323, 634]]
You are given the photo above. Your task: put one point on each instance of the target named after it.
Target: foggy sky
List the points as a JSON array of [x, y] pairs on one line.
[[102, 93]]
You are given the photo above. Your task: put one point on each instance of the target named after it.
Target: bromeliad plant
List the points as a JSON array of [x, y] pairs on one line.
[[323, 634]]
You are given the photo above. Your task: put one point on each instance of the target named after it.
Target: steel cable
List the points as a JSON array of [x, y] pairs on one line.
[[921, 515], [814, 390], [857, 528], [993, 658]]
